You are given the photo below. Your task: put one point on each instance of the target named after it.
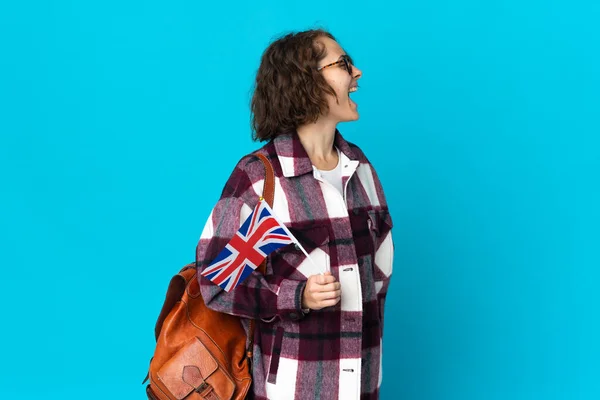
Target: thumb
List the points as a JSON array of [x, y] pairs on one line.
[[320, 279]]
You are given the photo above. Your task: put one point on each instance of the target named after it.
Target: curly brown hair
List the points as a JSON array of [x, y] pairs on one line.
[[289, 91]]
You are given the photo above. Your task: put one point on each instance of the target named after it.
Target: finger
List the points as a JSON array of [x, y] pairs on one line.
[[329, 287], [316, 279], [327, 276], [333, 295], [326, 279], [327, 295], [319, 279], [314, 285], [329, 303]]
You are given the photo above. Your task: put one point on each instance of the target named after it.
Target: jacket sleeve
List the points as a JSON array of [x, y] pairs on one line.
[[384, 259], [384, 247], [257, 297]]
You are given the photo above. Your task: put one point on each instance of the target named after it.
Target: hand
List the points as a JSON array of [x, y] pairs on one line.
[[321, 291]]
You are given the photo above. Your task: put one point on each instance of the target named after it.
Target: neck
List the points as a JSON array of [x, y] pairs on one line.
[[317, 139]]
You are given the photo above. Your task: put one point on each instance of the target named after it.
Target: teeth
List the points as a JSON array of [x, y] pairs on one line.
[[352, 89]]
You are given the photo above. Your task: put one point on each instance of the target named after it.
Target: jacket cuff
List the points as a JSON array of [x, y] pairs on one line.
[[289, 300]]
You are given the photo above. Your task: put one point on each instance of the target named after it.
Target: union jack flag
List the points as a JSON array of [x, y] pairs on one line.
[[258, 236]]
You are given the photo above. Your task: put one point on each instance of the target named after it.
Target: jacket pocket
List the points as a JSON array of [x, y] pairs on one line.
[[275, 354], [380, 222], [380, 226]]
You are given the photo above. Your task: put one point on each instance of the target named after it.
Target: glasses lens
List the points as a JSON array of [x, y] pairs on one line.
[[348, 65]]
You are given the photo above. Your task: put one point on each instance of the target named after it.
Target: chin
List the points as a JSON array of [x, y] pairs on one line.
[[352, 117], [348, 116]]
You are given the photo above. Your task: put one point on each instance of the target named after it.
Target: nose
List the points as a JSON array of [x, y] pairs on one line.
[[356, 73]]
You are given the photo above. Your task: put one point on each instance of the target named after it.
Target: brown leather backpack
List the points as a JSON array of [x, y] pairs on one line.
[[201, 353]]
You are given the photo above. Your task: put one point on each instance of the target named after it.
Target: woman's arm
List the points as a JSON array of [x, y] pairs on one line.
[[257, 297]]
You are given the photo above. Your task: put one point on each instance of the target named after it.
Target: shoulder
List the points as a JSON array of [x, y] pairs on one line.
[[245, 181], [251, 165]]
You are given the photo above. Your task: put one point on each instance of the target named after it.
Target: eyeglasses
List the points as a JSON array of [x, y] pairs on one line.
[[344, 60]]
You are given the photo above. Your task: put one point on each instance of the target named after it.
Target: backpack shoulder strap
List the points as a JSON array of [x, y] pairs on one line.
[[269, 196], [269, 187]]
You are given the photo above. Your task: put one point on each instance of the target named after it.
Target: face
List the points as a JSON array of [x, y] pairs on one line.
[[337, 76]]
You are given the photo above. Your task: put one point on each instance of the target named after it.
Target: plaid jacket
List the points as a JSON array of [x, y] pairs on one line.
[[333, 353]]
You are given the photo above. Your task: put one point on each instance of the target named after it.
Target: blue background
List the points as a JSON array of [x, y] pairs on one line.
[[120, 121]]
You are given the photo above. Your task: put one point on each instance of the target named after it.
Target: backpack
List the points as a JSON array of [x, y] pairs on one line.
[[201, 353]]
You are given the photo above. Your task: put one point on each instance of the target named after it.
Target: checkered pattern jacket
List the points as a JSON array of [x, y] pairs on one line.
[[333, 353]]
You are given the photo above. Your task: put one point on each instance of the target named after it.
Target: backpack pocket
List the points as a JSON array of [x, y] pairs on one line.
[[193, 373]]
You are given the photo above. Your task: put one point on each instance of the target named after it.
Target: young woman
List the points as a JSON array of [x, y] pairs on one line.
[[320, 322]]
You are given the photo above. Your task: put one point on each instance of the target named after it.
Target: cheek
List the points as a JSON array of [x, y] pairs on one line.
[[341, 90], [339, 85]]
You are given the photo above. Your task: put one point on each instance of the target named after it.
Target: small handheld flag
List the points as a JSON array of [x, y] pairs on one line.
[[258, 236]]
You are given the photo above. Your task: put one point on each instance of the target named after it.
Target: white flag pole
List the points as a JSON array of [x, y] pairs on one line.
[[296, 242]]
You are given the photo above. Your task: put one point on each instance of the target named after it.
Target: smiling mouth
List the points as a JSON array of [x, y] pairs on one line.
[[351, 90]]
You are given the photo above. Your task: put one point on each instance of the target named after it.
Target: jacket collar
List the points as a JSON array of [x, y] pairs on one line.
[[293, 158]]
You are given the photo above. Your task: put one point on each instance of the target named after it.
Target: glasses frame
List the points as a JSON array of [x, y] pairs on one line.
[[345, 59]]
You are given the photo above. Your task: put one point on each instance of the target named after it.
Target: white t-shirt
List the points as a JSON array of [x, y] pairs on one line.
[[334, 176]]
